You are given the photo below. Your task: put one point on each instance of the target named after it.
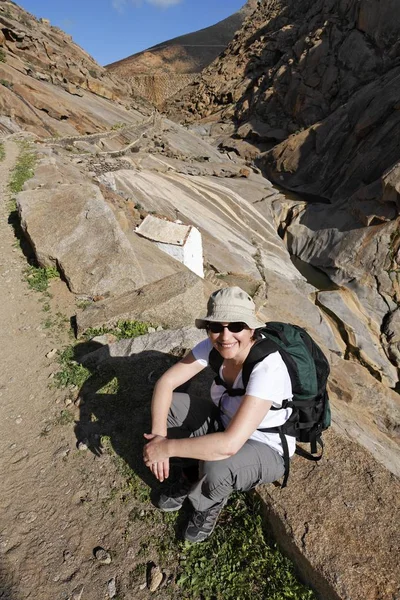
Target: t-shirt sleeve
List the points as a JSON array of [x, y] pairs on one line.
[[201, 352], [270, 380]]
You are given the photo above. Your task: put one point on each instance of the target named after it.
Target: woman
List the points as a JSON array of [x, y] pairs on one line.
[[221, 433]]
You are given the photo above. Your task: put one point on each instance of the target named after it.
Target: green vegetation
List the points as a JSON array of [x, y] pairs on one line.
[[236, 562], [93, 73], [71, 373], [2, 55], [24, 168], [6, 83], [38, 277], [2, 151], [122, 330], [65, 418], [117, 126]]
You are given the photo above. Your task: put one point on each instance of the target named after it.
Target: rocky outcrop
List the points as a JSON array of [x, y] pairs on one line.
[[162, 70], [49, 85], [321, 76]]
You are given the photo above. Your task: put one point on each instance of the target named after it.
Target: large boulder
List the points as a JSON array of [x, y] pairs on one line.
[[174, 301], [71, 227]]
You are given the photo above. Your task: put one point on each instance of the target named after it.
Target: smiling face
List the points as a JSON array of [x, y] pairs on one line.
[[231, 345]]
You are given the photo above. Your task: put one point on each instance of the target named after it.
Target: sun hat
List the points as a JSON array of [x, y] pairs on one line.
[[230, 305]]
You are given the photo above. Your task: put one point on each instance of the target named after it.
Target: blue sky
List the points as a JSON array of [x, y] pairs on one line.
[[113, 29]]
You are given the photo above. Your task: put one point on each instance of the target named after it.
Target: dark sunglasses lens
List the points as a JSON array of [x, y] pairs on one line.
[[233, 327], [215, 327], [236, 327]]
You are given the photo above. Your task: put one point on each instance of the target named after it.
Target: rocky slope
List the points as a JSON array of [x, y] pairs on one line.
[[161, 71], [311, 89], [92, 190], [51, 86]]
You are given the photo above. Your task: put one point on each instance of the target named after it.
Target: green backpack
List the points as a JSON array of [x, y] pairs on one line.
[[308, 369]]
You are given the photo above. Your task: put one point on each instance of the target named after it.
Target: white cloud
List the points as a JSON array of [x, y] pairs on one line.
[[120, 5], [164, 3]]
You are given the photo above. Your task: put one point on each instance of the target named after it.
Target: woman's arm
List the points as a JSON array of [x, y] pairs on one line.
[[178, 374], [215, 446]]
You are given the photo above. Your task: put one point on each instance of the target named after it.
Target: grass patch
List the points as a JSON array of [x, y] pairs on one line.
[[24, 168], [64, 418], [2, 55], [122, 330], [71, 373], [2, 151], [236, 562], [6, 83], [38, 278]]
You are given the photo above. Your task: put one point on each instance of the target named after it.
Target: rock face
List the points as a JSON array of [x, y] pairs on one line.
[[162, 70], [48, 84], [322, 76]]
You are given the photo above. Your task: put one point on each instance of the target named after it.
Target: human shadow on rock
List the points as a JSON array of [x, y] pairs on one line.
[[115, 402]]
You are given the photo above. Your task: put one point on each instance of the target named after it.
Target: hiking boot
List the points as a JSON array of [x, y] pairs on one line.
[[174, 495], [202, 523]]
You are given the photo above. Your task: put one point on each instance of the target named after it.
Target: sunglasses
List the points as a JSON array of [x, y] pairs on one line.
[[235, 327]]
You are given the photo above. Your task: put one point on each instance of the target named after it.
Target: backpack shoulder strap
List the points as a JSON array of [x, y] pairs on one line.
[[258, 352]]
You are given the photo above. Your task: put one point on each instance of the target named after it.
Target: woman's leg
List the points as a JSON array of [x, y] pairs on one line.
[[190, 417], [254, 463]]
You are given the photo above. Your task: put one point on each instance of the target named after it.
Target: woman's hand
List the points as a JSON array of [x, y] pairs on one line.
[[155, 456]]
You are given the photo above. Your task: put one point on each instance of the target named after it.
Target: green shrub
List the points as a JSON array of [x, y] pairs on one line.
[[2, 55], [7, 84], [38, 277], [24, 169], [236, 562], [2, 151]]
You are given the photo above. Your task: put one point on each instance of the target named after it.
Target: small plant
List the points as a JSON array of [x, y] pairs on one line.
[[93, 73], [117, 126], [6, 83], [24, 168], [2, 55], [71, 373], [122, 330], [2, 151], [65, 418], [138, 206], [38, 277]]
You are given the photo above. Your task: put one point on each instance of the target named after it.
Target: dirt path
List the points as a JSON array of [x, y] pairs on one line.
[[57, 503]]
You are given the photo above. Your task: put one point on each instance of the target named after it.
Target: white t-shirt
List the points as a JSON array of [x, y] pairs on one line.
[[269, 380]]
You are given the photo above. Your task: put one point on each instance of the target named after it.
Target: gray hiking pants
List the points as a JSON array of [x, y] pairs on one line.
[[254, 463]]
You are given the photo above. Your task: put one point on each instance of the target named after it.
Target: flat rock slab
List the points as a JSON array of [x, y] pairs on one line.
[[339, 521], [73, 228], [173, 301]]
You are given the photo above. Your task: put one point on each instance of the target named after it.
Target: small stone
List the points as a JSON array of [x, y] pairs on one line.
[[102, 556], [131, 553], [155, 578], [77, 593], [112, 588], [142, 587], [67, 401], [160, 328], [62, 452], [67, 555], [18, 420], [151, 329], [52, 353], [83, 445]]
